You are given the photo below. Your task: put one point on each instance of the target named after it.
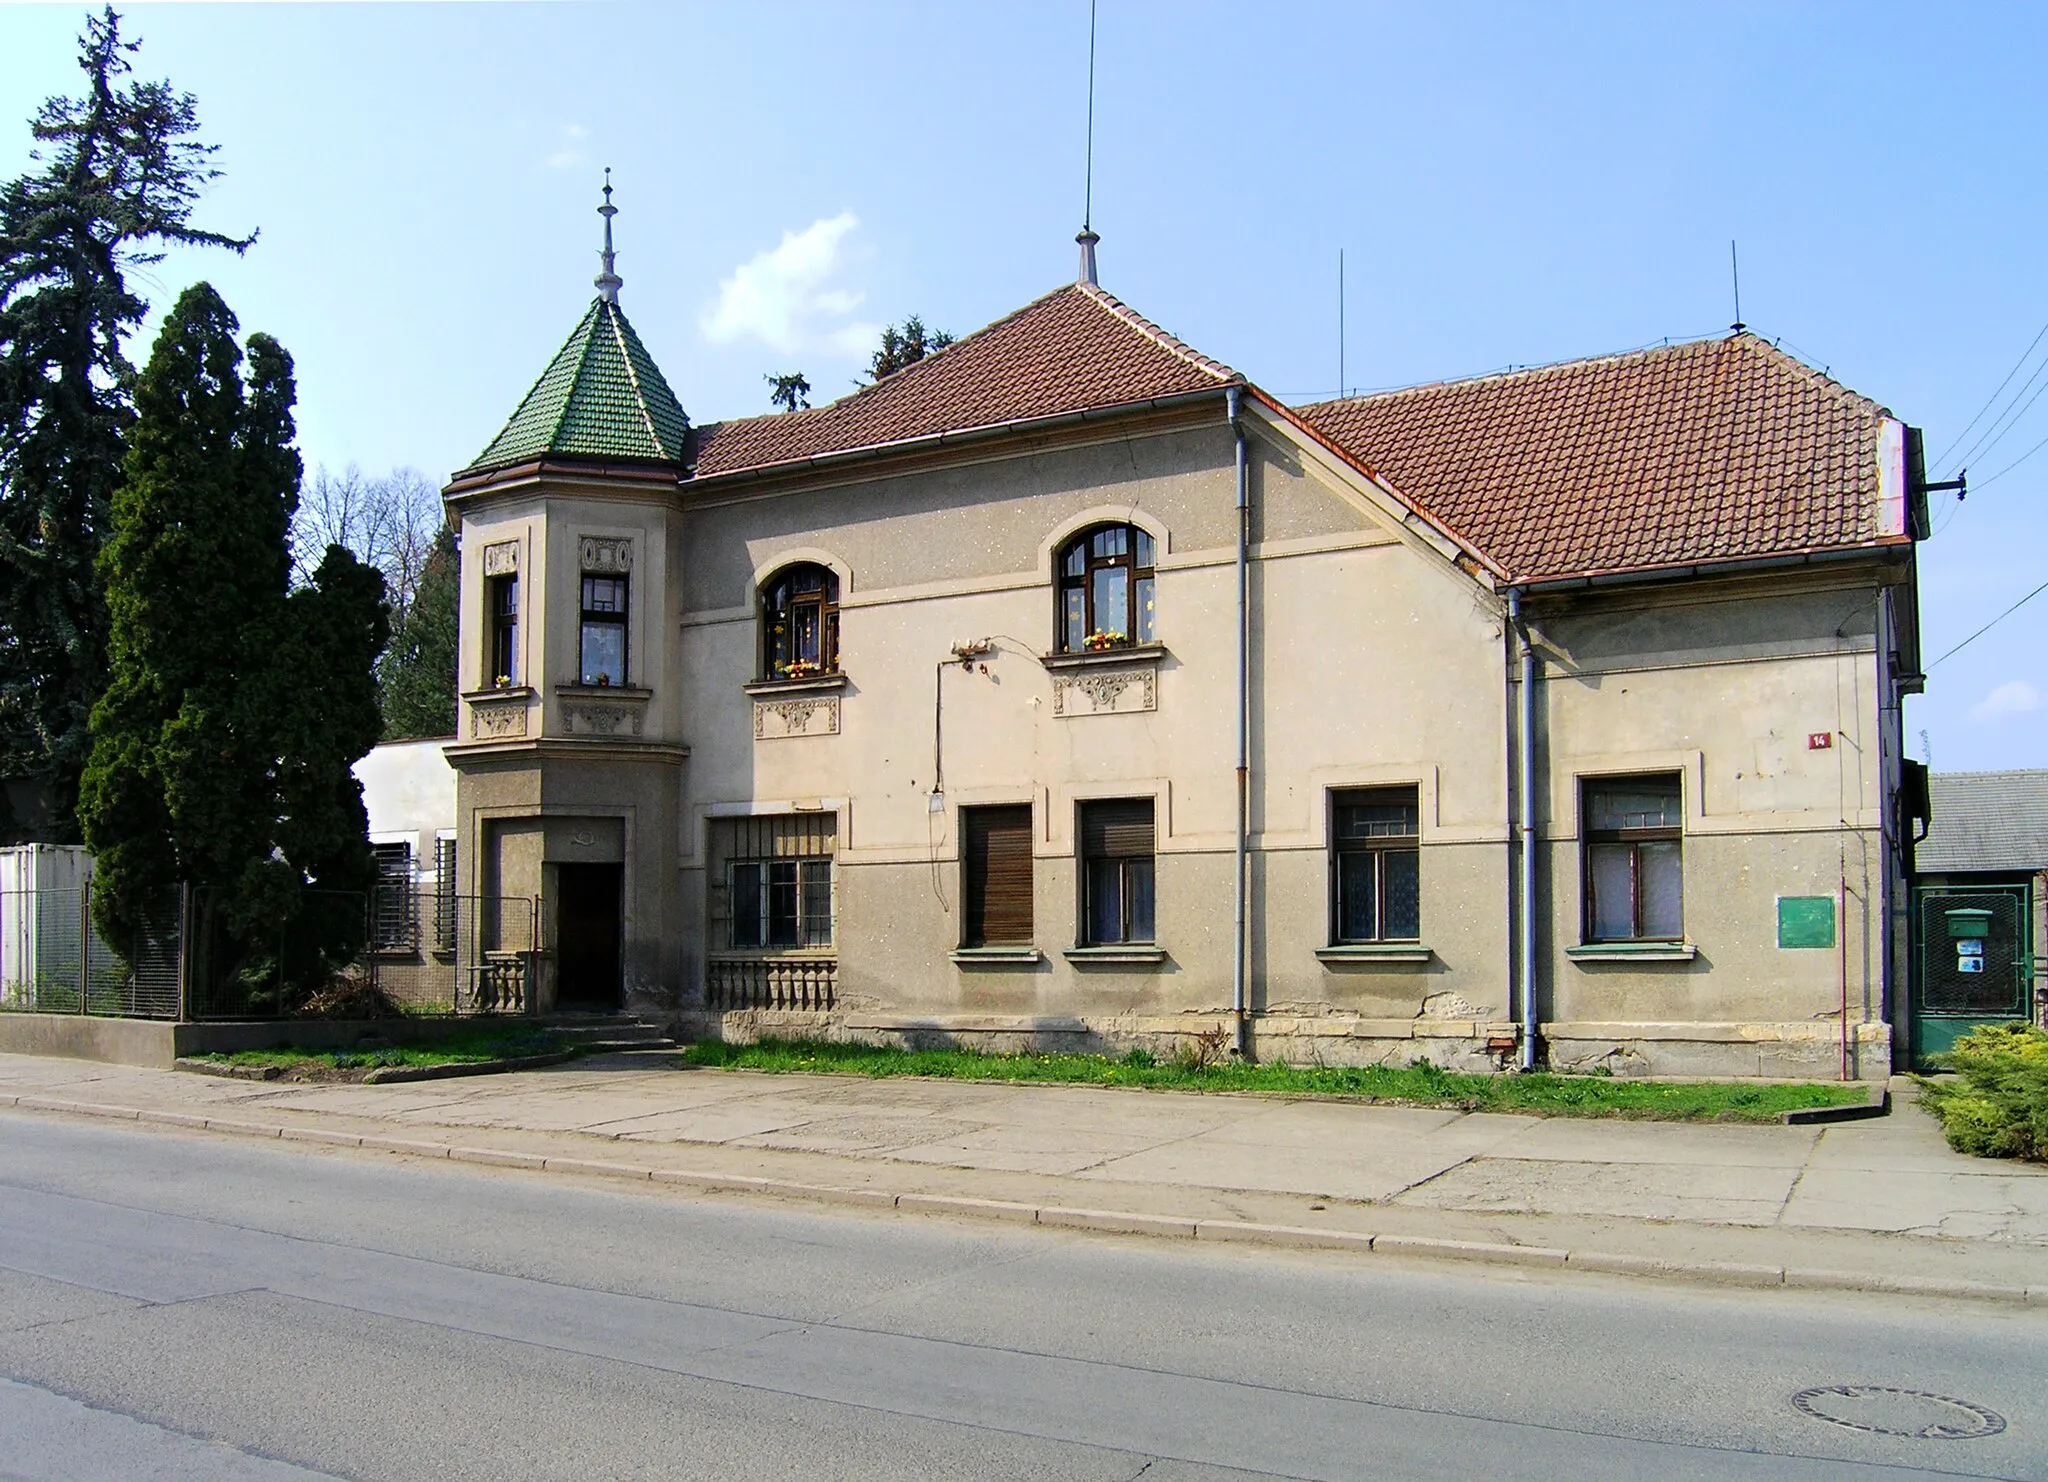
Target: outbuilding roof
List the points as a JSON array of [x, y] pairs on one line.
[[1713, 450], [1985, 821], [1077, 349]]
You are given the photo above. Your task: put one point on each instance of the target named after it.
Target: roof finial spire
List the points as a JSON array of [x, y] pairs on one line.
[[1088, 236], [608, 282]]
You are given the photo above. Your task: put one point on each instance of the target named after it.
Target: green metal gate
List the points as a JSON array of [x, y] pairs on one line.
[[1972, 964]]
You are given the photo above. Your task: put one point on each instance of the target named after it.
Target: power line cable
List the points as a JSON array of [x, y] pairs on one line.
[[1992, 624], [2037, 447], [1943, 459], [2009, 418]]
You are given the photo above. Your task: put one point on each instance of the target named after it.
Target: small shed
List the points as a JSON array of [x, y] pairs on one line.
[[1980, 906]]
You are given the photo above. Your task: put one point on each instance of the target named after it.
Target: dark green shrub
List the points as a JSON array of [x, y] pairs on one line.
[[1999, 1107]]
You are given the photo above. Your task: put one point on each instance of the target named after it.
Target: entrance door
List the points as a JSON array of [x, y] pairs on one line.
[[1971, 963], [587, 936]]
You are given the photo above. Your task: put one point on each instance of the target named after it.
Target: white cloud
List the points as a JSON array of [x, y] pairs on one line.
[[2014, 697], [569, 152], [784, 296]]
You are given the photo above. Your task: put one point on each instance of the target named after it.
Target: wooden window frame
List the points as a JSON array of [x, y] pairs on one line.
[[1133, 874], [1010, 923], [782, 607], [1074, 590], [501, 630], [808, 881], [595, 618], [1380, 848], [1594, 839]]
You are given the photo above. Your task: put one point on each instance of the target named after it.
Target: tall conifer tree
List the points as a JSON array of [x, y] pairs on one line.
[[417, 673], [117, 180], [235, 708]]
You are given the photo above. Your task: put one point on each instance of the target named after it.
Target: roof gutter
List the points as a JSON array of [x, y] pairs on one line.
[[960, 436], [1888, 549]]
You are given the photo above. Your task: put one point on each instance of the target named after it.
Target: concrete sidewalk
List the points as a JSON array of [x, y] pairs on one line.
[[1877, 1204]]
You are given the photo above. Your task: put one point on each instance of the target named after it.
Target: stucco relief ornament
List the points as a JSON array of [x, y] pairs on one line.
[[603, 557], [495, 722], [597, 719], [795, 718], [1105, 692], [501, 559]]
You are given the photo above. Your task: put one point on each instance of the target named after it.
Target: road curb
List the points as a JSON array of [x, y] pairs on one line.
[[1090, 1221]]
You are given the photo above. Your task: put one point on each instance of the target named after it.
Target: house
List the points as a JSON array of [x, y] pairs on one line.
[[1980, 906], [1065, 688]]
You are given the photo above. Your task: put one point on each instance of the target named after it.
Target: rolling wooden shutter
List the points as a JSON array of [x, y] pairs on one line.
[[1116, 828], [998, 847]]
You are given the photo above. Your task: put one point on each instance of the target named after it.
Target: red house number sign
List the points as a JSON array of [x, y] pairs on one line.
[[1819, 740]]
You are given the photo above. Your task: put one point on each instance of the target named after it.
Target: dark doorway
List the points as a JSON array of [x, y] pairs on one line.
[[587, 936]]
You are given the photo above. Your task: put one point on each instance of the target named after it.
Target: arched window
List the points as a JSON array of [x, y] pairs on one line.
[[1107, 590], [800, 623]]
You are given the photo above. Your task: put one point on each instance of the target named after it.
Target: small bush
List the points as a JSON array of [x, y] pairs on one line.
[[1999, 1107]]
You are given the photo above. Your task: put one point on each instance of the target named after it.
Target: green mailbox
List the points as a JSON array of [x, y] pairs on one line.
[[1967, 924]]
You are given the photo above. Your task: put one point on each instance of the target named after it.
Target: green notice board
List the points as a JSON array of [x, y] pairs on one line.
[[1806, 921]]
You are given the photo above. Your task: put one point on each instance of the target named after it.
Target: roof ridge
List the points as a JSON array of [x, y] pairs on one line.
[[615, 316], [1744, 339], [1164, 338]]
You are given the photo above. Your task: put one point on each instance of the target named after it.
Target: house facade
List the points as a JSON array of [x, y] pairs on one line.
[[1066, 689]]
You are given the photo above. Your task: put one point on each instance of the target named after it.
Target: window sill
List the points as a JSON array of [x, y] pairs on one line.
[[1137, 653], [997, 956], [1396, 952], [1633, 952], [809, 684], [603, 691], [507, 693], [1134, 953]]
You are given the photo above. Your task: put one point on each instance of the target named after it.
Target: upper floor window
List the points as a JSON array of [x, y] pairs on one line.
[[604, 630], [1634, 867], [800, 623], [1374, 835], [501, 655], [1107, 590]]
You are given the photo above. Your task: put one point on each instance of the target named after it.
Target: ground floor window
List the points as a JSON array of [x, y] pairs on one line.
[[1376, 865], [1117, 871], [1634, 886], [394, 917], [996, 865], [773, 886]]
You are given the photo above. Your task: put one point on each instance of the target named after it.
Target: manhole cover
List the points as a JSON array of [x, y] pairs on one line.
[[1886, 1411]]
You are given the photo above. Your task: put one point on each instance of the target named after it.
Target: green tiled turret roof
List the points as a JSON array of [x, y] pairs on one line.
[[602, 396]]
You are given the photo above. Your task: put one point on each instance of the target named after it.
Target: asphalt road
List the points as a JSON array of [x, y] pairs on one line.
[[177, 1306]]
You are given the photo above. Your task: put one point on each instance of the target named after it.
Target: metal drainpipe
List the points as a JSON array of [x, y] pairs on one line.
[[1525, 749], [1240, 1004]]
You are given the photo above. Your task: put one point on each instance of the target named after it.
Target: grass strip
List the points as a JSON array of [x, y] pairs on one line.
[[462, 1049], [1418, 1084]]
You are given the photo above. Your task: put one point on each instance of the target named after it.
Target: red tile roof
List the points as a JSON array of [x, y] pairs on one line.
[[1077, 349], [1712, 451]]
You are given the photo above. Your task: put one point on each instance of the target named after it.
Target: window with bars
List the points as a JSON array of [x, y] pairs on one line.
[[773, 882], [444, 895], [1376, 865], [1108, 590], [996, 863], [1632, 832], [501, 612], [394, 918], [1117, 872], [603, 645], [800, 623]]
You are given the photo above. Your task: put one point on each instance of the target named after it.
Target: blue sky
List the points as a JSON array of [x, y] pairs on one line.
[[1511, 184]]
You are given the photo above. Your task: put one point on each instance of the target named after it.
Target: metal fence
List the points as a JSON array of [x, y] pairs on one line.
[[54, 961], [344, 954]]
